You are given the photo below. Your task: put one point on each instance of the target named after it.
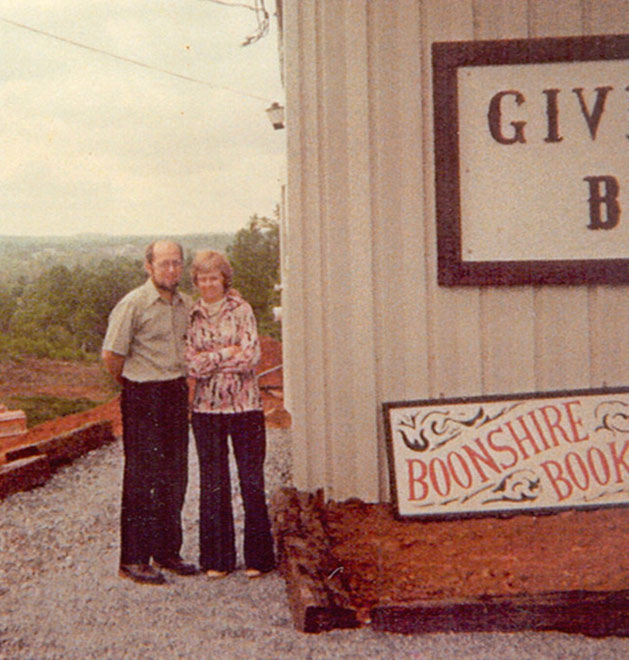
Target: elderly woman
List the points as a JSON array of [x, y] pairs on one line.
[[222, 351]]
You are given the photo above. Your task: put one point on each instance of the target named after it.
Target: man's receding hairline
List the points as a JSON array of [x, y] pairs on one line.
[[150, 249]]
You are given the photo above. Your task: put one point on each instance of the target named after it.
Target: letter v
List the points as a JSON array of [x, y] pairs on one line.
[[593, 118]]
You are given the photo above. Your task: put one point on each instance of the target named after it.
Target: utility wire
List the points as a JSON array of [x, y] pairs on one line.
[[129, 60]]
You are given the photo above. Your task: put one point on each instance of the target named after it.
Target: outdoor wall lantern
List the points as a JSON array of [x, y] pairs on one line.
[[276, 115]]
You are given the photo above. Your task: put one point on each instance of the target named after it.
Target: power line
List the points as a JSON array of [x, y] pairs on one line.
[[129, 60]]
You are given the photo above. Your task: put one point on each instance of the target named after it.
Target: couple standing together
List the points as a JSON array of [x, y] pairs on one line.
[[155, 340]]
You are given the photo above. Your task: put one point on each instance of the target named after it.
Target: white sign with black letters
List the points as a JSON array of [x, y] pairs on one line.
[[531, 166], [546, 168]]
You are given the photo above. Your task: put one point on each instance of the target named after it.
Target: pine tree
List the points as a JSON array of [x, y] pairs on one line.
[[255, 258]]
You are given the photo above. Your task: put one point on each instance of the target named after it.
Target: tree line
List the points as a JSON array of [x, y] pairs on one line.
[[62, 312]]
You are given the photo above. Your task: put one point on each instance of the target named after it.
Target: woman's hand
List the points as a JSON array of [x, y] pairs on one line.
[[233, 351]]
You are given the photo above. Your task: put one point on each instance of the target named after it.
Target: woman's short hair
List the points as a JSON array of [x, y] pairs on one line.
[[207, 260]]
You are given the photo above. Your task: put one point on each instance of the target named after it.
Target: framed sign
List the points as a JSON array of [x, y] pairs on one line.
[[504, 454], [531, 164]]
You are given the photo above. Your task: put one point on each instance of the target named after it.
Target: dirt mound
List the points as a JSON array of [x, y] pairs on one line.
[[32, 376]]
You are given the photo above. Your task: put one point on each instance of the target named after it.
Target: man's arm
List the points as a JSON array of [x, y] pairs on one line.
[[113, 363]]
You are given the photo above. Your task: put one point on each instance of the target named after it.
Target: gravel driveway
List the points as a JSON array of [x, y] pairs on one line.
[[61, 598]]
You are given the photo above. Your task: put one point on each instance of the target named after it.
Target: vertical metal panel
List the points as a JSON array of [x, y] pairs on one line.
[[333, 220], [386, 145], [499, 19], [346, 233], [609, 17], [293, 318], [330, 332], [561, 313], [304, 303], [405, 332], [359, 450], [399, 284], [507, 314], [609, 305], [455, 345], [561, 18]]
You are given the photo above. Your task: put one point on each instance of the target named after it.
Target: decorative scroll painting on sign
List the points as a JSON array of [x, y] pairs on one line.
[[523, 452]]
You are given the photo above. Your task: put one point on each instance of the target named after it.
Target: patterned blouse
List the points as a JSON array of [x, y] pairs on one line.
[[223, 384]]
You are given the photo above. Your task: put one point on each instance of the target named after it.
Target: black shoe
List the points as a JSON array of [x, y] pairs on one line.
[[176, 565], [142, 573]]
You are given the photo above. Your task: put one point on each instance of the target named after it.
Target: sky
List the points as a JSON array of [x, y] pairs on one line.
[[97, 135]]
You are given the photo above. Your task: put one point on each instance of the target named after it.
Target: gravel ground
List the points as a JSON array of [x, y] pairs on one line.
[[61, 598]]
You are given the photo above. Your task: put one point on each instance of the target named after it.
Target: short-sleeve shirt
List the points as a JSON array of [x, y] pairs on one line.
[[150, 333]]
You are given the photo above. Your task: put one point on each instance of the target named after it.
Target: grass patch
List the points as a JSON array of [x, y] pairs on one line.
[[40, 409]]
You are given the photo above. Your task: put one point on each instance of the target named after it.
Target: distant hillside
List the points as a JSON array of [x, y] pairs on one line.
[[28, 256]]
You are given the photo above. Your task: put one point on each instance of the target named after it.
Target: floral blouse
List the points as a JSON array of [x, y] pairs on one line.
[[223, 384]]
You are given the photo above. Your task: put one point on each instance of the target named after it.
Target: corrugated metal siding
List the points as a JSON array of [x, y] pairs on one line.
[[365, 321]]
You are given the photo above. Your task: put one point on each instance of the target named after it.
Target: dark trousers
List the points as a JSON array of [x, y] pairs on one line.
[[155, 439], [216, 533]]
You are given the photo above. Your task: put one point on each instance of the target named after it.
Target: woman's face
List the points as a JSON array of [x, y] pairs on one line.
[[211, 285]]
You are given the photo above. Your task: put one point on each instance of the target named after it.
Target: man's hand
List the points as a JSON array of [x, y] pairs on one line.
[[114, 364]]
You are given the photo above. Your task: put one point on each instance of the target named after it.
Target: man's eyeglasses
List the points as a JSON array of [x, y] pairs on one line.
[[164, 265]]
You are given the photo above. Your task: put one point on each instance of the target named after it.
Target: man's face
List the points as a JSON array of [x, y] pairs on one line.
[[167, 266]]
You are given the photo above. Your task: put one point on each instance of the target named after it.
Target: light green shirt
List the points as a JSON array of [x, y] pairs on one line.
[[150, 333]]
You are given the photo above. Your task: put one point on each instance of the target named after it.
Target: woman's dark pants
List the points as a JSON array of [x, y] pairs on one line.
[[216, 534], [155, 439]]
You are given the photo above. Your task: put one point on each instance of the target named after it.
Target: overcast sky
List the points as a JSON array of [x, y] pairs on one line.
[[95, 143]]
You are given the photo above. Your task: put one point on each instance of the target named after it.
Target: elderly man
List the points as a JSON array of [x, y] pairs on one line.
[[143, 350]]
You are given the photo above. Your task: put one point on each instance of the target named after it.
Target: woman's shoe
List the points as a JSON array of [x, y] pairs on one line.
[[216, 575], [252, 573]]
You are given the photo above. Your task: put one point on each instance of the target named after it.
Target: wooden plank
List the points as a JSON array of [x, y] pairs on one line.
[[23, 474], [67, 447], [583, 612], [316, 597]]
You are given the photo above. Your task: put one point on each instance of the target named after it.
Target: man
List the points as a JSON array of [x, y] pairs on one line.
[[143, 350]]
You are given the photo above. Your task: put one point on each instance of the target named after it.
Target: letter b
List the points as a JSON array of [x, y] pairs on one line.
[[609, 199]]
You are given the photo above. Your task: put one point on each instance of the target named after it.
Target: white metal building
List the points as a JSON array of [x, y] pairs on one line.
[[365, 318]]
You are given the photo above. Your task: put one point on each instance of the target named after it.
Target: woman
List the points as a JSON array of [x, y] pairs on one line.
[[222, 351]]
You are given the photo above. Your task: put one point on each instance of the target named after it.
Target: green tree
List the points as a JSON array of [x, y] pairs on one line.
[[63, 313], [255, 258], [8, 306]]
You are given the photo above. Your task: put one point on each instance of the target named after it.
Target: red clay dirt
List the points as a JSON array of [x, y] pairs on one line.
[[64, 379], [392, 561]]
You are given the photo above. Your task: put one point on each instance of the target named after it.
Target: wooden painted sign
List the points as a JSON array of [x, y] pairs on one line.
[[524, 452], [531, 167]]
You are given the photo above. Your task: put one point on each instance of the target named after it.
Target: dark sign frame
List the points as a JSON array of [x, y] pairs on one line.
[[447, 57]]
